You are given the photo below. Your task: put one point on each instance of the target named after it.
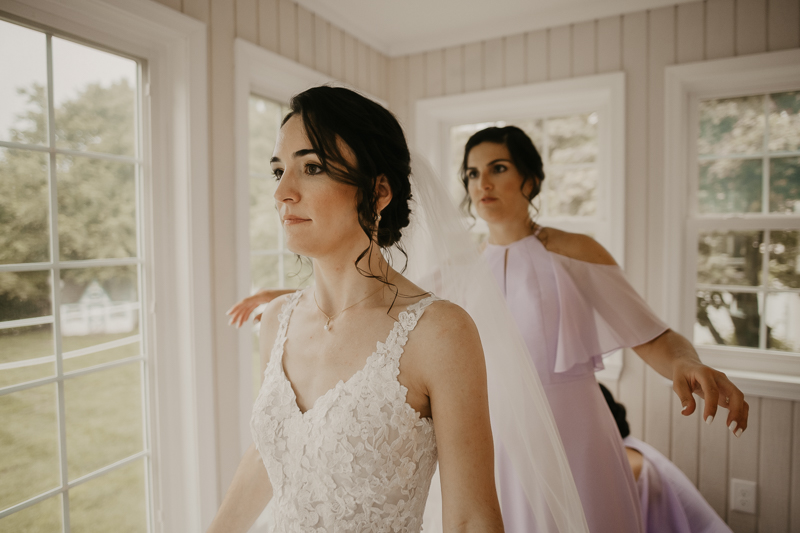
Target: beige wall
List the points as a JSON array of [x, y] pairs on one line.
[[640, 44]]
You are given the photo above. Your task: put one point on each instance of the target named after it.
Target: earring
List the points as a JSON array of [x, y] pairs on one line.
[[379, 217]]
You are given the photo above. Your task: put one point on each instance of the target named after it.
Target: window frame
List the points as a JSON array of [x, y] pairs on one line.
[[602, 93], [772, 373], [177, 256]]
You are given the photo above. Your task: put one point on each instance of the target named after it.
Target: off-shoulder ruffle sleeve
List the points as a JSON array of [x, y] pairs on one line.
[[599, 313]]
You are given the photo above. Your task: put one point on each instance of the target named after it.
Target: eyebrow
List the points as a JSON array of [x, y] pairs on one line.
[[493, 162], [299, 153]]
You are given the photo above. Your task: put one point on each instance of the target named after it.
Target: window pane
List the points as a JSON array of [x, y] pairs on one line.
[[24, 207], [784, 260], [44, 517], [570, 192], [299, 272], [29, 463], [784, 185], [265, 223], [731, 126], [96, 208], [99, 315], [730, 186], [24, 295], [264, 271], [26, 354], [265, 120], [728, 318], [104, 418], [94, 99], [784, 122], [23, 85], [782, 317], [572, 139], [111, 502], [730, 258]]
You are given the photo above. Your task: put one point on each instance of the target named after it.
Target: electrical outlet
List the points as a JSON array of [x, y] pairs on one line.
[[743, 496]]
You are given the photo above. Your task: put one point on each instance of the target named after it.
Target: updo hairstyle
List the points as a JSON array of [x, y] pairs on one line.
[[524, 155]]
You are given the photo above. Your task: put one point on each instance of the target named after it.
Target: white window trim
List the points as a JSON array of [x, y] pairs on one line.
[[178, 316], [604, 94], [771, 374]]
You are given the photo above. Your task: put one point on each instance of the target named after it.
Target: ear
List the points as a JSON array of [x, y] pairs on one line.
[[383, 192]]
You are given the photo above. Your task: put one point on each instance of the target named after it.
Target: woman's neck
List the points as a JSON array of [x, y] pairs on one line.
[[509, 231], [338, 284]]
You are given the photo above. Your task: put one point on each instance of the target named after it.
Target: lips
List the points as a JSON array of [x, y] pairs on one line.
[[291, 220], [488, 200]]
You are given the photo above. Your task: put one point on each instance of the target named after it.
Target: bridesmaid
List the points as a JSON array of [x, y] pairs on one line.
[[572, 305]]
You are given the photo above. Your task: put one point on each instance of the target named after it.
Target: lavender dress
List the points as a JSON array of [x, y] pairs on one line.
[[570, 314], [670, 502]]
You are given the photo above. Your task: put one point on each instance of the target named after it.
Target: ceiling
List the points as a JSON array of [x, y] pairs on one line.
[[408, 26]]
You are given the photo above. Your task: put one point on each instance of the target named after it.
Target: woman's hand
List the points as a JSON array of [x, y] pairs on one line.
[[674, 357], [241, 312]]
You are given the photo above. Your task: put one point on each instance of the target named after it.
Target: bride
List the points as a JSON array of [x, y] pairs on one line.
[[368, 379]]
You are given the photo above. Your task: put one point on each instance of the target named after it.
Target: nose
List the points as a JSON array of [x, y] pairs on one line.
[[286, 191], [485, 182]]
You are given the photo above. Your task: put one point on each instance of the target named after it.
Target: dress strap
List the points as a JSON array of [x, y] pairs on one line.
[[392, 349], [283, 325], [537, 230]]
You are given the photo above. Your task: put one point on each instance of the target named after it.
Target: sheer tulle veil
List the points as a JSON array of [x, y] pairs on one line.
[[442, 257]]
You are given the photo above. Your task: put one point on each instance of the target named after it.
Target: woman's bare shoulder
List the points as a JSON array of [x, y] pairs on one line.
[[575, 246]]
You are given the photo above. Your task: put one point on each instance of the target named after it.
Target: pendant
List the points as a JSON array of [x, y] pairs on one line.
[[327, 325]]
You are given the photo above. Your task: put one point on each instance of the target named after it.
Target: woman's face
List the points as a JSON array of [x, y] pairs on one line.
[[318, 213], [495, 185]]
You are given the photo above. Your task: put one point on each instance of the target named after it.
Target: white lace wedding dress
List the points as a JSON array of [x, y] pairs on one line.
[[360, 459]]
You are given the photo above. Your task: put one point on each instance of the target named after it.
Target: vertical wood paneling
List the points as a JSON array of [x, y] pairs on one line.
[[691, 32], [322, 43], [794, 503], [536, 55], [774, 465], [362, 65], [336, 37], [609, 44], [454, 70], [559, 49], [719, 29], [685, 437], [473, 67], [783, 23], [305, 36], [493, 64], [634, 62], [434, 73], [416, 84], [374, 73], [383, 73], [398, 90], [197, 9], [751, 26], [247, 20], [350, 59], [268, 24], [713, 478], [514, 67], [584, 48], [223, 232], [661, 53], [743, 464], [287, 17]]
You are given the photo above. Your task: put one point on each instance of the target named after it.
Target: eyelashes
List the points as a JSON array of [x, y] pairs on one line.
[[309, 169]]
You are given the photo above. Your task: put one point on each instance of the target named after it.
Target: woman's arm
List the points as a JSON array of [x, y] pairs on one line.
[[250, 490], [454, 374], [670, 354], [241, 311], [248, 495]]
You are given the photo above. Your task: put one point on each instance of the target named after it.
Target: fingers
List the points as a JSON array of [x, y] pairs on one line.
[[709, 392], [733, 399], [684, 392]]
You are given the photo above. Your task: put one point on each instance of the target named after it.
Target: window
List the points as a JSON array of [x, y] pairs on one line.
[[75, 451], [271, 263], [733, 147], [569, 148]]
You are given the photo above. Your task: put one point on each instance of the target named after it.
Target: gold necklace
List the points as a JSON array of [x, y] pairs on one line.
[[330, 318]]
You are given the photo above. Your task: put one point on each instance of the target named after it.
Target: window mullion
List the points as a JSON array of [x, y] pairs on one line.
[[56, 286], [762, 326]]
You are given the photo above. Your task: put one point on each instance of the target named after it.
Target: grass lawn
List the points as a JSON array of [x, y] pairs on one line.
[[104, 424]]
